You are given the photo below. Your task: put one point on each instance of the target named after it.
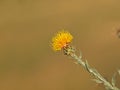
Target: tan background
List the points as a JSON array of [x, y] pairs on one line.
[[26, 27]]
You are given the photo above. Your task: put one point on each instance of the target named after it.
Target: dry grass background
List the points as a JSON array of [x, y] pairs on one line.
[[26, 27]]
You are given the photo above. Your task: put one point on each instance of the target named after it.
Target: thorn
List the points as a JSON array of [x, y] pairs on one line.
[[80, 55], [76, 62]]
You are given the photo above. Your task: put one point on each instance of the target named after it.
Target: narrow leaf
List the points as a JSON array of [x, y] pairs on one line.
[[119, 72], [97, 81], [80, 55], [87, 66], [113, 79]]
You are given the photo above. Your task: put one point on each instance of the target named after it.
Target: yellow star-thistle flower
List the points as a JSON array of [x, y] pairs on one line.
[[61, 40]]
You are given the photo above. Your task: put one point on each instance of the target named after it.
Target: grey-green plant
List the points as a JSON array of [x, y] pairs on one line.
[[62, 41], [98, 78]]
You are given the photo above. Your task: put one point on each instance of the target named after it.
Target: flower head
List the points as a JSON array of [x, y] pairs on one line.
[[61, 40]]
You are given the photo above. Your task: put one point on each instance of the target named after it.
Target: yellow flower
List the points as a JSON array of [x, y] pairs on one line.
[[61, 40]]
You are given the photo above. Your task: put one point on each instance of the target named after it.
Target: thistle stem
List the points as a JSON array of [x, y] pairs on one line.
[[94, 72]]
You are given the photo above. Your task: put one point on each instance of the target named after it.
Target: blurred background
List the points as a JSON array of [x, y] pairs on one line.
[[27, 61]]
